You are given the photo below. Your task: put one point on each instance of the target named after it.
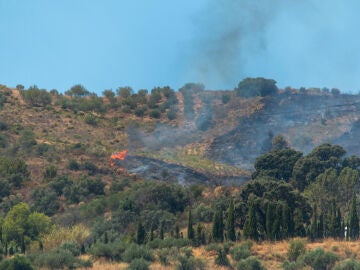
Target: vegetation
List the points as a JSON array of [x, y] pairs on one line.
[[64, 207]]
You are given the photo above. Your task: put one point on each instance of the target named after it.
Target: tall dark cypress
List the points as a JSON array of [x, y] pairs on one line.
[[320, 229], [354, 220], [269, 221], [190, 231], [314, 225], [140, 236], [218, 226], [250, 227], [230, 222], [299, 229], [276, 230], [338, 228]]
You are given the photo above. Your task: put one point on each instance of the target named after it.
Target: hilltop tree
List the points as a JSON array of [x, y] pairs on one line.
[[253, 87], [77, 91]]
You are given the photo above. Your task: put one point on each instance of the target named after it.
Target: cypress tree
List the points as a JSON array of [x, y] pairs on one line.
[[286, 222], [140, 236], [299, 229], [177, 231], [250, 227], [354, 220], [276, 230], [338, 225], [332, 225], [313, 226], [230, 222], [161, 234], [218, 226], [190, 231], [320, 229], [269, 221]]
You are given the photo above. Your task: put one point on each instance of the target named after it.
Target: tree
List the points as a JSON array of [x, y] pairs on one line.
[[140, 235], [354, 220], [269, 221], [124, 92], [279, 143], [253, 87], [313, 233], [36, 97], [190, 228], [250, 227], [77, 91], [230, 222], [218, 226]]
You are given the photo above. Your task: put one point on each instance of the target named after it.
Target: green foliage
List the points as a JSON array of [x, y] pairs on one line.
[[250, 263], [73, 165], [77, 91], [349, 264], [278, 164], [36, 97], [141, 233], [251, 225], [253, 87], [155, 113], [354, 220], [138, 264], [221, 258], [124, 92], [50, 172], [190, 263], [241, 251], [111, 251], [90, 119], [71, 246], [59, 259], [319, 259], [190, 228], [45, 200], [296, 249], [134, 251], [218, 226], [16, 263]]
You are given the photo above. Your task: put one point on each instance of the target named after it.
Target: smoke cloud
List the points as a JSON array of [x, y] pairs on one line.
[[298, 43]]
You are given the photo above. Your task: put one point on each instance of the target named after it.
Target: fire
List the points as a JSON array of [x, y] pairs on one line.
[[117, 156]]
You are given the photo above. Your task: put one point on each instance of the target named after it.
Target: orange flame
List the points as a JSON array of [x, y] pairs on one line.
[[117, 155]]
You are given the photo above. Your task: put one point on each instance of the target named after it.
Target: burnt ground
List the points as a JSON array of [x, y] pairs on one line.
[[154, 169]]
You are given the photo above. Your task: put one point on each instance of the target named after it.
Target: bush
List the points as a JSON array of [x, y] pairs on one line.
[[155, 114], [241, 251], [221, 258], [296, 249], [111, 251], [16, 263], [319, 259], [348, 265], [138, 264], [71, 246], [73, 165], [90, 119], [250, 263], [56, 259], [136, 252], [190, 263]]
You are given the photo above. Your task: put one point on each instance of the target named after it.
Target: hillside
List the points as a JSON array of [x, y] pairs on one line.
[[190, 157]]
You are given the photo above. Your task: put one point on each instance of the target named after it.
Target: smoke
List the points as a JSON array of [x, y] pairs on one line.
[[298, 43]]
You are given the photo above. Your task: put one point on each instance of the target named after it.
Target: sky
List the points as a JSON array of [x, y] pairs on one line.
[[149, 43]]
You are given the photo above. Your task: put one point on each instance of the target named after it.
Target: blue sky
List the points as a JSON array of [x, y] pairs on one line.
[[147, 43]]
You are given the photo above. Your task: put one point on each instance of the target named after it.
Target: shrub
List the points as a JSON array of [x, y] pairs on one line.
[[221, 258], [138, 264], [73, 165], [241, 251], [348, 265], [250, 263], [154, 113], [55, 259], [136, 252], [50, 172], [319, 259], [71, 246], [110, 251], [90, 119], [16, 263], [296, 249], [190, 263]]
